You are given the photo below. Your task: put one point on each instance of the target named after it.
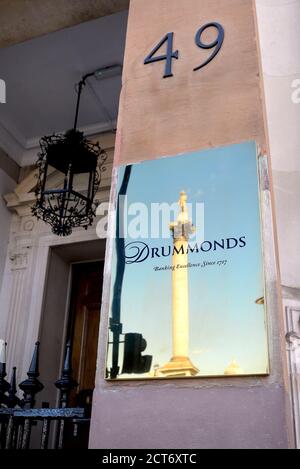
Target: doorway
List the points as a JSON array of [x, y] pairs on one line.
[[83, 329], [71, 311]]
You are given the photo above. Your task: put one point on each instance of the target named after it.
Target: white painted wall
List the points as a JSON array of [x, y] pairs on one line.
[[279, 30], [6, 185]]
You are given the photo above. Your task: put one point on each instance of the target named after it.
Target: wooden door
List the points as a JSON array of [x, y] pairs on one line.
[[84, 329]]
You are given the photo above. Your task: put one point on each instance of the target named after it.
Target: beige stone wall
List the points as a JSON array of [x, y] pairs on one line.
[[218, 105]]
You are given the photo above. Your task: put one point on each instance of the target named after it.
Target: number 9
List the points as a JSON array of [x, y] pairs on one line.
[[217, 43]]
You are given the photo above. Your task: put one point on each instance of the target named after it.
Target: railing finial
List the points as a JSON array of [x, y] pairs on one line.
[[32, 385], [66, 382], [13, 400]]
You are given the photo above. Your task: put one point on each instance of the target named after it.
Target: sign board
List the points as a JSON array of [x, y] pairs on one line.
[[187, 287]]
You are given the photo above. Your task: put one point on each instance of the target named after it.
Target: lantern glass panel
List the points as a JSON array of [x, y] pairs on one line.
[[81, 183], [54, 179]]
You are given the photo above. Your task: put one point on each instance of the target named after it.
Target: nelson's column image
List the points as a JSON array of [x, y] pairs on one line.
[[180, 364]]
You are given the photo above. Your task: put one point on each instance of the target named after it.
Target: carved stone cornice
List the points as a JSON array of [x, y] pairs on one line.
[[20, 203]]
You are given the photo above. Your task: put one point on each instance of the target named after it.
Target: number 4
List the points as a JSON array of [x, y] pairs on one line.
[[168, 57]]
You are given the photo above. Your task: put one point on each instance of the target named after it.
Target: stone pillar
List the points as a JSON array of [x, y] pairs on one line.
[[217, 105]]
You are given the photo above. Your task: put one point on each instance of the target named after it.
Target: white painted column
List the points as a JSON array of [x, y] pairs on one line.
[[279, 33]]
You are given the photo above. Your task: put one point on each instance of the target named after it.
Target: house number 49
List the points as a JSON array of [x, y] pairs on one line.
[[170, 54]]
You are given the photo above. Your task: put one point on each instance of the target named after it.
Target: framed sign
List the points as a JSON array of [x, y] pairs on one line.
[[187, 286]]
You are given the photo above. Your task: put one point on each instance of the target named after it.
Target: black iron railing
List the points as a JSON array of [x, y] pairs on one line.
[[19, 416]]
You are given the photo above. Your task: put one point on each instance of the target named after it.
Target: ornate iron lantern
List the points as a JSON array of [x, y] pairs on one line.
[[80, 163]]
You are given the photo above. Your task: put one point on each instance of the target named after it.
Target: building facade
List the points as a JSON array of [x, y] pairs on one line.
[[250, 91]]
